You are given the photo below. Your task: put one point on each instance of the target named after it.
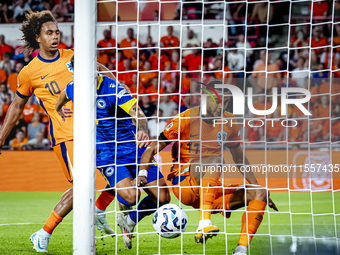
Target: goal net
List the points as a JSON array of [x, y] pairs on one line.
[[275, 53]]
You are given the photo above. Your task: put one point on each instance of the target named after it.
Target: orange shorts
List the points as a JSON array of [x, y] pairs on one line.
[[64, 152], [188, 192]]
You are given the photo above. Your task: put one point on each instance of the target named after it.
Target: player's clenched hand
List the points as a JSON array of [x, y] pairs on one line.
[[142, 136], [65, 113], [272, 205], [139, 181]]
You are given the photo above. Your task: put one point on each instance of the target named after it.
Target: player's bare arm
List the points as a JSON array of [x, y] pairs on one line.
[[142, 133], [63, 111], [107, 72], [146, 159], [13, 114], [237, 154]]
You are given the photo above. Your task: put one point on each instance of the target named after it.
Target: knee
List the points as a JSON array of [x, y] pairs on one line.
[[215, 160], [131, 198], [164, 197], [259, 193], [67, 196]]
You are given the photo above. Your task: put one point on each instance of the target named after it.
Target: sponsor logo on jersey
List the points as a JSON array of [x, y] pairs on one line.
[[44, 76], [101, 103], [121, 93], [169, 126], [109, 171], [221, 136], [69, 67]]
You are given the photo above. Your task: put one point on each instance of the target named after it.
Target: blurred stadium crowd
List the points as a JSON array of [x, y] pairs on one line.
[[13, 11], [255, 55]]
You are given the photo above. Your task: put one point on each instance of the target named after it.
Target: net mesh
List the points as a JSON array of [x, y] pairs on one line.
[[250, 44]]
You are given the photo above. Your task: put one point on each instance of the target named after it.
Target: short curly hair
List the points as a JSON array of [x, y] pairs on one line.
[[32, 26]]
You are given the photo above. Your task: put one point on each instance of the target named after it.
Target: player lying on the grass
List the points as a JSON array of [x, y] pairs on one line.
[[197, 142], [45, 77], [117, 111]]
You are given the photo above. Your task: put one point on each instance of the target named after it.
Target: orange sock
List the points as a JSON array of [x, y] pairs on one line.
[[254, 220], [207, 197], [52, 222], [104, 199]]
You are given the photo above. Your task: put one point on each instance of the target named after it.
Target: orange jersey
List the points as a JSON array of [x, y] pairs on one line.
[[186, 82], [106, 44], [297, 111], [154, 61], [46, 79], [126, 77], [321, 112], [3, 75], [169, 41], [253, 133], [18, 145], [274, 128], [335, 128], [295, 133], [324, 88], [313, 125], [219, 75], [62, 46], [28, 112], [126, 43], [314, 91], [154, 92], [145, 78], [321, 42], [186, 128], [261, 106], [12, 81], [4, 112], [103, 59]]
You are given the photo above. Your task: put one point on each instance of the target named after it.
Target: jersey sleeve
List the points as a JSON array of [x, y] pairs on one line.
[[124, 99], [175, 127], [171, 131], [70, 91], [25, 88]]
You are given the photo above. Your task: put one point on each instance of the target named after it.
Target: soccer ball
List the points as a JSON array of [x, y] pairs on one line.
[[170, 221]]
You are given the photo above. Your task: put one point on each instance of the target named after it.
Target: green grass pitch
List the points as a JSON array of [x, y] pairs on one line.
[[21, 214]]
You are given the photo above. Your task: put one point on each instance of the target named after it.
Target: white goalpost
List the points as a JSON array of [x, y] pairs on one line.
[[303, 222], [84, 174]]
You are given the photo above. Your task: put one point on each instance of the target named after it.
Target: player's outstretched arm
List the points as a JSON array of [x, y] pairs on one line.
[[12, 116], [62, 100], [142, 130], [107, 72], [146, 160]]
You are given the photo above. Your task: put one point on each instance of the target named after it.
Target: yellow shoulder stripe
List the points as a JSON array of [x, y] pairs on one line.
[[128, 105], [100, 81]]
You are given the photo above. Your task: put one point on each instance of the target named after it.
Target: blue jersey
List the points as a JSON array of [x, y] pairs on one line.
[[114, 123]]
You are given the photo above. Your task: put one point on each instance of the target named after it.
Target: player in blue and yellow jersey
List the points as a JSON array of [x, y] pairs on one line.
[[118, 153], [45, 77]]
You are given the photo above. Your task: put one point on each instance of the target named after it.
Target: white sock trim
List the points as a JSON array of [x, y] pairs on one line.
[[204, 223], [129, 221]]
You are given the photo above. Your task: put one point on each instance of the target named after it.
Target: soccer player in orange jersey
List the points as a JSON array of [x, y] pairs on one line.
[[196, 139], [46, 76]]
